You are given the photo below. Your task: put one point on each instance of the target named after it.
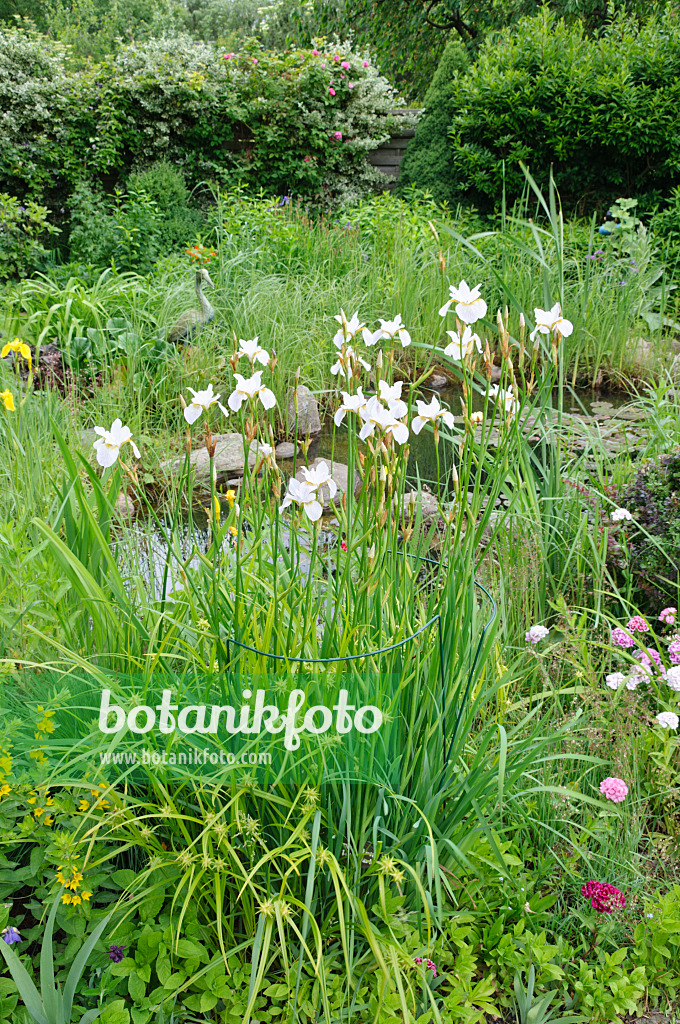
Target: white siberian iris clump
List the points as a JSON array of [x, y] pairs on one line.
[[431, 412], [348, 362], [249, 390], [350, 403], [253, 352], [470, 306], [304, 495], [506, 398], [551, 321], [110, 442], [348, 328], [461, 347], [388, 330], [377, 417], [200, 403]]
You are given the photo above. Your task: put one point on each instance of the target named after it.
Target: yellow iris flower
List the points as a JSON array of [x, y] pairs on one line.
[[17, 346]]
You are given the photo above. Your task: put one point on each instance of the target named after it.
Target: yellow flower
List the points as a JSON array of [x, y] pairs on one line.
[[5, 789], [83, 805], [75, 900], [66, 898], [48, 820], [231, 497], [8, 400], [38, 811], [31, 799], [49, 801], [85, 894], [17, 346]]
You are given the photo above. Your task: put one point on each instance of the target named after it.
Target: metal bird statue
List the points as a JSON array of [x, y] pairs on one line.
[[190, 323]]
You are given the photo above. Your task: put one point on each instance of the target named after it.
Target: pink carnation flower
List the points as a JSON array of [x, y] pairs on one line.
[[428, 963], [614, 789], [637, 625], [603, 897], [668, 615], [674, 651], [621, 638], [646, 658]]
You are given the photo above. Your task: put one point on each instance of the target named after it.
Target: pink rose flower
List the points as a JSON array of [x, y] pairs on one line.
[[345, 64], [315, 53], [365, 63], [331, 91], [337, 136], [614, 789], [336, 57]]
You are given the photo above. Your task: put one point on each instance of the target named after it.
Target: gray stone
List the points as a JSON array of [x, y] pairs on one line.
[[425, 503], [285, 450], [124, 505], [340, 475], [308, 420], [229, 459], [437, 381]]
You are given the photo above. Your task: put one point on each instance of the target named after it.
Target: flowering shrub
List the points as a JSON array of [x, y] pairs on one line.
[[300, 121]]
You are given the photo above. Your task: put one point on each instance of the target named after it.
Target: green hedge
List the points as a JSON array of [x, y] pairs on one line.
[[603, 112], [268, 119]]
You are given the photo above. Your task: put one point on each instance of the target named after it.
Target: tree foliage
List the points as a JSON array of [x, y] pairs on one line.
[[600, 111], [409, 36]]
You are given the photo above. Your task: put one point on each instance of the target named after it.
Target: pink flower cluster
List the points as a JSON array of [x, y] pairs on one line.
[[668, 615], [337, 136], [614, 789], [621, 638], [637, 625], [674, 651], [647, 657], [603, 897], [428, 964]]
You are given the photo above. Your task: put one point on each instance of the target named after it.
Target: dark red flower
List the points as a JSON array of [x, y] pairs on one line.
[[603, 897]]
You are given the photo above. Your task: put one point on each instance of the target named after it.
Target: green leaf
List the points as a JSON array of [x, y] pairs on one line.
[[27, 989]]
